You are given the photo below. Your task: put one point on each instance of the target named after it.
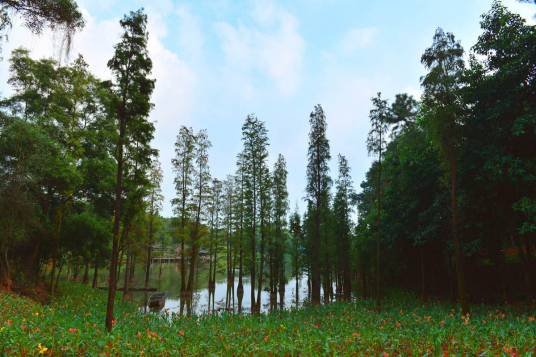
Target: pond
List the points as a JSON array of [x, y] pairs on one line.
[[166, 278]]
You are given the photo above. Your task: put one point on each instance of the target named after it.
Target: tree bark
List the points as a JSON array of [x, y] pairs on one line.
[[95, 275], [117, 222]]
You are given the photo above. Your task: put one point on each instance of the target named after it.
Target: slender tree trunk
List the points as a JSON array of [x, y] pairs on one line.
[[95, 275], [297, 289], [460, 276], [240, 287], [211, 256], [183, 275], [185, 174], [85, 279], [5, 281], [55, 254], [315, 267], [271, 279], [150, 242], [253, 245], [261, 269], [125, 238], [132, 269], [148, 263], [347, 271], [421, 253], [58, 276], [126, 275], [195, 250], [379, 232], [233, 278], [281, 282], [117, 223], [76, 270]]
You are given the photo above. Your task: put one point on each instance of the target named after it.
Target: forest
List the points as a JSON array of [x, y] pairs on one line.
[[434, 252]]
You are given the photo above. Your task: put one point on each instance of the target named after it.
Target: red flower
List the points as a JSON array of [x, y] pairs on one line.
[[72, 330]]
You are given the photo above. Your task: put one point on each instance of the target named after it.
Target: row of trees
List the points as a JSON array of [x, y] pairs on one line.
[[448, 207], [76, 152], [450, 201], [244, 215]]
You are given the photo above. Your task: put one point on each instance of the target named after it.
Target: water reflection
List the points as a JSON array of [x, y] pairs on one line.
[[166, 278]]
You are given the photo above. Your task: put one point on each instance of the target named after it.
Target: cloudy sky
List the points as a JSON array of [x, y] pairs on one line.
[[215, 61]]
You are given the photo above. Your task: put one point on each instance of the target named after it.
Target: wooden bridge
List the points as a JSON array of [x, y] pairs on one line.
[[169, 259], [176, 259]]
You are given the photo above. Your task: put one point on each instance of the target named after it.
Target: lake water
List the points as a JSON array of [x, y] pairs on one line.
[[168, 280]]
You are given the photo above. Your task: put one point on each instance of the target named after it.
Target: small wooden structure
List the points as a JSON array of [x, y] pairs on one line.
[[157, 301], [130, 289]]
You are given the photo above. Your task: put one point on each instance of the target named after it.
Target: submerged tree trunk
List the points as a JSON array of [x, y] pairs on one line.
[[210, 263], [183, 276], [148, 263], [240, 287], [297, 291], [281, 285], [261, 271]]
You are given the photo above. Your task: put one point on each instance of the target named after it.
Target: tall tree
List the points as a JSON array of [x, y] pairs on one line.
[[318, 185], [214, 210], [201, 193], [376, 143], [155, 204], [444, 109], [239, 219], [342, 209], [280, 210], [183, 165], [253, 161], [296, 251], [132, 88]]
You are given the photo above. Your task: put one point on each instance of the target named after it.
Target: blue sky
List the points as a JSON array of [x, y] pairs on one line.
[[215, 61]]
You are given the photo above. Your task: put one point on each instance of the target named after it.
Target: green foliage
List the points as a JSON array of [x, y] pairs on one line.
[[72, 324]]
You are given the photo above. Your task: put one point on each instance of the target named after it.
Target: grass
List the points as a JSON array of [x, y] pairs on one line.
[[73, 325]]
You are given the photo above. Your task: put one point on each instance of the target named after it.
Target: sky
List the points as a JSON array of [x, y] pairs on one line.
[[216, 61]]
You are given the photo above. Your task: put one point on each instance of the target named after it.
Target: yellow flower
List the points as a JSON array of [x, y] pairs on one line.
[[42, 349]]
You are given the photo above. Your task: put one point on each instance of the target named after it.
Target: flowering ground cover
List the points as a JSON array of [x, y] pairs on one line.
[[73, 324]]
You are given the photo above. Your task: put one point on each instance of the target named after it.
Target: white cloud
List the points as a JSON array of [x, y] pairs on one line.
[[176, 83], [357, 38], [271, 45], [95, 42], [190, 36], [526, 10]]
